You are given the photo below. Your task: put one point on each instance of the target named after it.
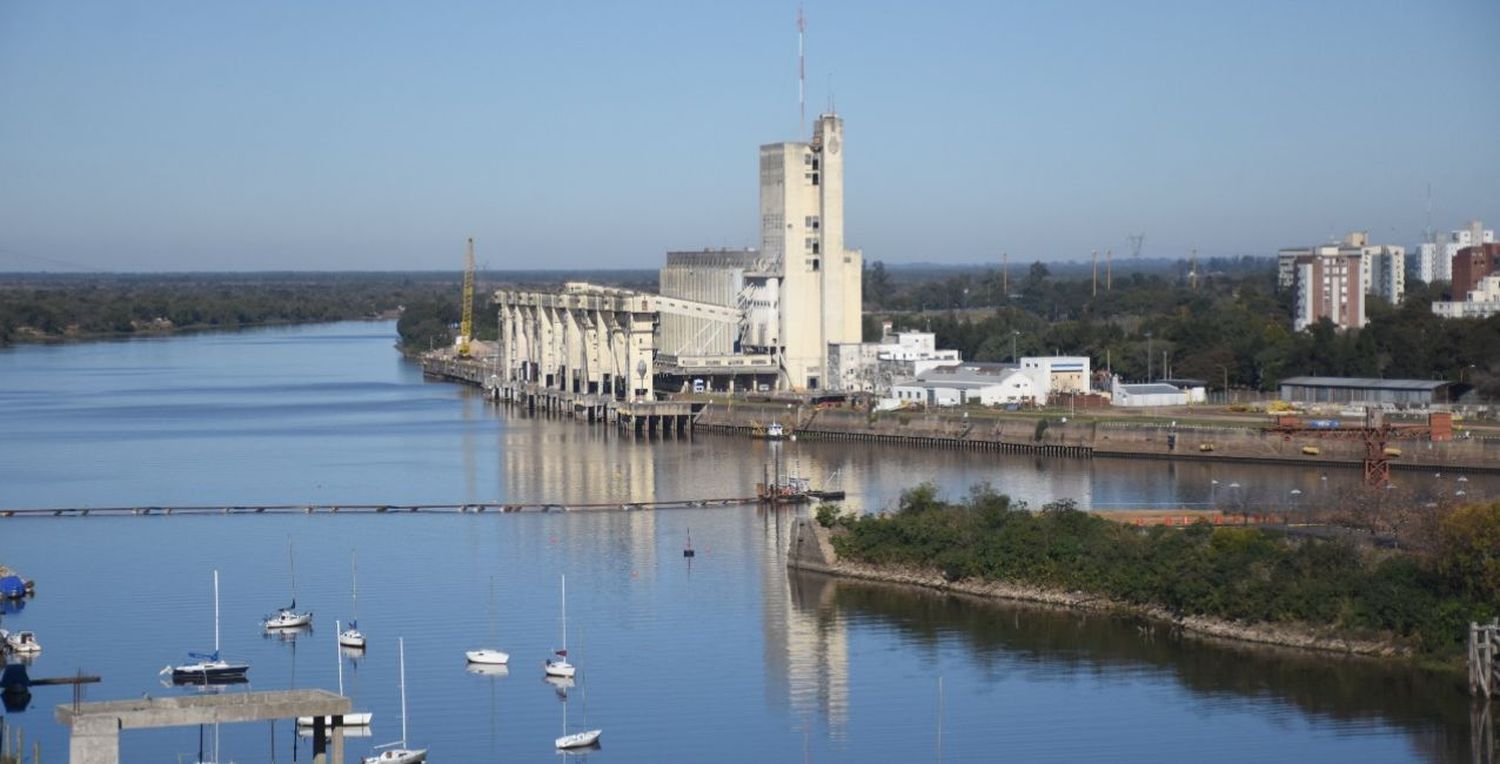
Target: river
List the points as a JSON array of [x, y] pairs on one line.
[[723, 657]]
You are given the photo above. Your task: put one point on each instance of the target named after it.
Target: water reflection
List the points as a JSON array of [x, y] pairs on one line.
[[1049, 644], [806, 642]]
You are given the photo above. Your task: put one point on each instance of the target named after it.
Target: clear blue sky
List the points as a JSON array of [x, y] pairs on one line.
[[183, 134]]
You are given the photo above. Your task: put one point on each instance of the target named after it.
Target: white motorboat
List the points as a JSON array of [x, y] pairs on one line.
[[288, 617], [558, 665], [352, 637], [354, 719], [397, 752], [209, 668], [489, 655], [23, 642]]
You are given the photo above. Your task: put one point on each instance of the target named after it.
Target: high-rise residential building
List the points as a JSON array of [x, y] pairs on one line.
[[1435, 259], [802, 228], [1329, 283], [1382, 268]]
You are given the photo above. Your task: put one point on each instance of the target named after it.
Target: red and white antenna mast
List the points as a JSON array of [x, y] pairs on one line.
[[801, 74]]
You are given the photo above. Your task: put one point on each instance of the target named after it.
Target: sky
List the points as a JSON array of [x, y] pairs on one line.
[[363, 135]]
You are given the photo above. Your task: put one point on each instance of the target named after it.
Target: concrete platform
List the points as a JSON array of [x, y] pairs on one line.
[[95, 727]]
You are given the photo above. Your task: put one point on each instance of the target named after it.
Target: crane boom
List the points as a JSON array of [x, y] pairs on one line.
[[466, 328]]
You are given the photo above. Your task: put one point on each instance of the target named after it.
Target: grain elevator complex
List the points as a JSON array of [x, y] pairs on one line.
[[741, 319]]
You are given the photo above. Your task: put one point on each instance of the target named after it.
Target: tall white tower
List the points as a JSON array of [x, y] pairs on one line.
[[802, 228]]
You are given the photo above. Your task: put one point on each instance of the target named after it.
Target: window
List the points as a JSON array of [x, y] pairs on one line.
[[815, 165], [814, 263], [815, 179], [815, 247]]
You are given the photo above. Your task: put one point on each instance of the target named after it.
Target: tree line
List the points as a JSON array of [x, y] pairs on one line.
[[1229, 324], [1423, 595]]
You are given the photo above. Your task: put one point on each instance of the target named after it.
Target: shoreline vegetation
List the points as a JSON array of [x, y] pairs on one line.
[[1251, 584]]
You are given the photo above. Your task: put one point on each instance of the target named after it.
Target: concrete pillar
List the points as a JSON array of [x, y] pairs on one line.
[[95, 740]]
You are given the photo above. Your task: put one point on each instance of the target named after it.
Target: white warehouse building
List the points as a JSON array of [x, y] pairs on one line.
[[959, 384]]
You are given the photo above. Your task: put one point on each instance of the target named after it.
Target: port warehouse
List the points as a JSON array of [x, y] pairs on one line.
[[1357, 390]]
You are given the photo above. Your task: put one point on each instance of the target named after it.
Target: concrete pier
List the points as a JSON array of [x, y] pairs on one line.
[[94, 728]]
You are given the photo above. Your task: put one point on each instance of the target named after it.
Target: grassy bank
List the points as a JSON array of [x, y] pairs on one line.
[[1419, 600]]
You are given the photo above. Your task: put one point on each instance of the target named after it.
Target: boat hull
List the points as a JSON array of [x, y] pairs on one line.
[[488, 657], [230, 673], [288, 620], [398, 756], [352, 639], [579, 739], [560, 669]]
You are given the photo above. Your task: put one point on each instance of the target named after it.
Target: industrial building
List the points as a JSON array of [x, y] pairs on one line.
[[724, 319], [987, 384], [875, 366], [1362, 390], [1138, 395]]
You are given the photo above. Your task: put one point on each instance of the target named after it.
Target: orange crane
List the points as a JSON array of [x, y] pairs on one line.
[[1376, 435], [466, 328]]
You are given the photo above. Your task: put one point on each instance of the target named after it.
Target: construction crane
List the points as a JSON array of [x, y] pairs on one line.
[[466, 328], [1374, 432]]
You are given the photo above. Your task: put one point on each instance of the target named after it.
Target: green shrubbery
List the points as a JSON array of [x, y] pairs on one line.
[[1235, 573]]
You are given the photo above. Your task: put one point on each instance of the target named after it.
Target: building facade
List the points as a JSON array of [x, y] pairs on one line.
[[1435, 259], [1481, 302], [1471, 265], [959, 384], [1328, 284], [802, 229], [1382, 266]]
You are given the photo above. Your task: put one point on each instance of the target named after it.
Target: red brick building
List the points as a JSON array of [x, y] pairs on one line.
[[1472, 264]]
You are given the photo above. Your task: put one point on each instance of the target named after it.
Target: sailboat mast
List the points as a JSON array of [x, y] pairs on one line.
[[565, 615], [292, 563], [402, 643], [216, 611], [337, 654], [355, 561]]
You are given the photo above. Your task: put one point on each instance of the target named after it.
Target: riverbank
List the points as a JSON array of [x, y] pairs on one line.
[[811, 550], [1123, 438]]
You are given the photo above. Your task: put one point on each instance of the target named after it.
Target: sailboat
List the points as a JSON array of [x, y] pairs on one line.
[[488, 655], [351, 637], [397, 752], [209, 668], [288, 617], [559, 666], [360, 719], [577, 739]]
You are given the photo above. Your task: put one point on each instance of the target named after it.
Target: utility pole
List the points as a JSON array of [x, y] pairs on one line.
[[1148, 356], [1109, 270], [1096, 273], [1193, 269]]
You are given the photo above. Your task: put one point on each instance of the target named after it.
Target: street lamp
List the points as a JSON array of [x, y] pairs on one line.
[[1213, 493], [1226, 380], [640, 370], [1014, 333]]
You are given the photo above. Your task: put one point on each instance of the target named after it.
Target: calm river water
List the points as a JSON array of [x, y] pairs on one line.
[[724, 658]]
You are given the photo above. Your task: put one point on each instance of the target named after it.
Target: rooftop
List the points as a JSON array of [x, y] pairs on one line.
[[1367, 383], [1150, 388]]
